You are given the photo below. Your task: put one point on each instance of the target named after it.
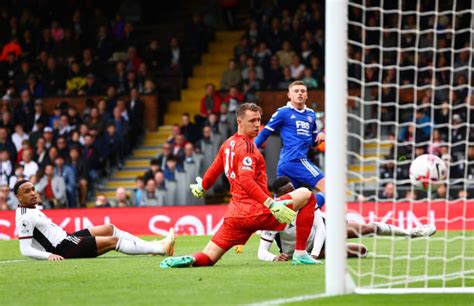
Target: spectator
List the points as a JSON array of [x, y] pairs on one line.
[[122, 198], [24, 111], [308, 79], [138, 191], [286, 80], [296, 67], [233, 99], [19, 136], [251, 66], [10, 198], [52, 189], [41, 153], [91, 88], [80, 173], [102, 202], [48, 137], [6, 167], [188, 128], [5, 143], [39, 115], [67, 174], [178, 147], [274, 74], [211, 101], [160, 180], [150, 197], [75, 80], [30, 166], [12, 47], [285, 55], [231, 77], [388, 192], [155, 166], [136, 109]]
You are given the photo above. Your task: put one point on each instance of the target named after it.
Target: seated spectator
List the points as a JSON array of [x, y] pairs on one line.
[[25, 146], [133, 60], [178, 147], [388, 193], [30, 166], [48, 136], [64, 129], [285, 55], [52, 189], [122, 198], [160, 180], [154, 56], [18, 175], [305, 53], [19, 136], [13, 46], [103, 44], [231, 77], [274, 73], [101, 201], [189, 129], [113, 148], [41, 154], [24, 111], [10, 198], [155, 166], [287, 79], [262, 54], [233, 99], [211, 101], [75, 80], [136, 109], [33, 86], [171, 168], [6, 167], [296, 67], [67, 173], [62, 145], [151, 196], [88, 65], [138, 191], [39, 116], [119, 79], [91, 88], [5, 142], [252, 66], [175, 131], [80, 173], [7, 122], [254, 83], [308, 79]]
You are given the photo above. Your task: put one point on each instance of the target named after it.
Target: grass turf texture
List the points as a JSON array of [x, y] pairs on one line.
[[116, 279]]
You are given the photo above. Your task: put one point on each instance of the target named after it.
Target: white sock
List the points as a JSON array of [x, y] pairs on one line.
[[300, 252], [125, 235], [139, 247], [384, 229]]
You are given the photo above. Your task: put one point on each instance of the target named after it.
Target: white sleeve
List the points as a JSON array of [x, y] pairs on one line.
[[320, 233], [27, 249], [266, 240]]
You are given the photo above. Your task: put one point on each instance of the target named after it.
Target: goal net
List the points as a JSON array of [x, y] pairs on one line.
[[410, 84]]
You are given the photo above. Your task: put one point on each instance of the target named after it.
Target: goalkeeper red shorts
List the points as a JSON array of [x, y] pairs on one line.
[[236, 231]]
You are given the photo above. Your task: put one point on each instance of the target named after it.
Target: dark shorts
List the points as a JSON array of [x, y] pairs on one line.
[[79, 244]]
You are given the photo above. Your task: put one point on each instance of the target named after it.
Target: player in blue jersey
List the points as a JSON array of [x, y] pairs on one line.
[[298, 131]]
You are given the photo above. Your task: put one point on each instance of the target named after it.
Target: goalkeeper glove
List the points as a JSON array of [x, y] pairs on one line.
[[280, 210], [197, 189]]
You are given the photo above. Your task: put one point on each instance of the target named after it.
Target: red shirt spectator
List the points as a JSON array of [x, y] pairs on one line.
[[211, 102], [12, 46]]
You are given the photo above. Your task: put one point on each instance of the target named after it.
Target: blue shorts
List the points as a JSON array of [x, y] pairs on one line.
[[302, 172]]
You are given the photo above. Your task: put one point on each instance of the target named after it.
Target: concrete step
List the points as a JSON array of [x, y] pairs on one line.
[[185, 106], [137, 163], [120, 183], [218, 47], [229, 35], [130, 174], [363, 168], [150, 153], [214, 70], [199, 83], [218, 59]]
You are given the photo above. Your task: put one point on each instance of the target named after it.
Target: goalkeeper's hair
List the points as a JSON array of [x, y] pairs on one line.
[[280, 182], [248, 106]]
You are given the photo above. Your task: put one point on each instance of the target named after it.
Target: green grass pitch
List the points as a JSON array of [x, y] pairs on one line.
[[116, 279]]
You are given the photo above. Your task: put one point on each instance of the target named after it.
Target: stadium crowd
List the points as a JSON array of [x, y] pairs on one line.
[[79, 51], [84, 53]]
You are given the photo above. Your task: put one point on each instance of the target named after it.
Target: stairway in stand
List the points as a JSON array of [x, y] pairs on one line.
[[210, 70]]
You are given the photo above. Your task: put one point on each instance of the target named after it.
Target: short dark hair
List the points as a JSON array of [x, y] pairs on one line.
[[18, 185], [248, 106], [280, 182]]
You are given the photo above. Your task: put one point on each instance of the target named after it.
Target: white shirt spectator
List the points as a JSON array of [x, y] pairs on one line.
[[297, 71], [18, 139], [30, 169]]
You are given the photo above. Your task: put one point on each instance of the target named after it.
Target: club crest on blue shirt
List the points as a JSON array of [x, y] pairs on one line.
[[310, 119]]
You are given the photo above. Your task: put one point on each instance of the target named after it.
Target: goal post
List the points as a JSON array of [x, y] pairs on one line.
[[408, 67], [336, 140]]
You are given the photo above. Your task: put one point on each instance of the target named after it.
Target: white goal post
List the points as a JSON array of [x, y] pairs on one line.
[[421, 66]]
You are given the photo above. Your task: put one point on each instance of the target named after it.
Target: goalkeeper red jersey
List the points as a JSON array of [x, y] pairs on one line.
[[244, 167]]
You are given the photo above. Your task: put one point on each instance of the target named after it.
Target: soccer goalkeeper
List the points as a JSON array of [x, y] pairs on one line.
[[250, 208]]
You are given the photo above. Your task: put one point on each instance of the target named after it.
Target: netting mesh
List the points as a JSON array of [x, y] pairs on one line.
[[410, 73]]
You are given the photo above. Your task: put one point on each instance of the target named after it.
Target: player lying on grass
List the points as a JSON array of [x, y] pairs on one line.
[[40, 238], [250, 208], [286, 239]]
